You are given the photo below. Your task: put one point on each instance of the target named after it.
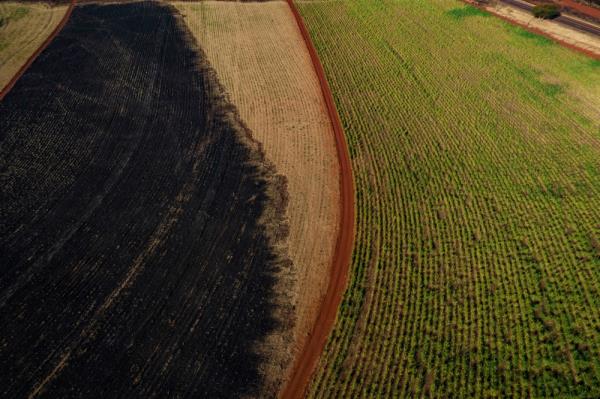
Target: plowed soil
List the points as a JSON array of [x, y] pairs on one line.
[[141, 225]]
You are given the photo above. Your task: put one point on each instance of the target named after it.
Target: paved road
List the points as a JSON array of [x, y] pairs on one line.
[[563, 19], [519, 4], [579, 25]]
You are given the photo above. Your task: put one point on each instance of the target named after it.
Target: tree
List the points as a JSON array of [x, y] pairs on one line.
[[546, 11]]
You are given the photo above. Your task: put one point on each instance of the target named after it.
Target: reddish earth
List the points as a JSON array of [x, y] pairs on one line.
[[582, 8], [33, 56], [306, 361]]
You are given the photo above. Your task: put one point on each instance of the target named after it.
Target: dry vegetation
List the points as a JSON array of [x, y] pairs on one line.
[[476, 153], [263, 63], [23, 28]]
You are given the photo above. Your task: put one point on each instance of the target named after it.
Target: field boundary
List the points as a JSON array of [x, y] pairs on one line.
[[36, 53], [537, 31], [306, 361]]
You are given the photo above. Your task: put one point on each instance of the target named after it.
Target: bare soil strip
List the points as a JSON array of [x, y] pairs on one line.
[[141, 224], [263, 62], [306, 362], [10, 71]]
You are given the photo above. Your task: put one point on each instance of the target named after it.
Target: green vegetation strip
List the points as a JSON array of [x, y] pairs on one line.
[[546, 11], [476, 152], [7, 15]]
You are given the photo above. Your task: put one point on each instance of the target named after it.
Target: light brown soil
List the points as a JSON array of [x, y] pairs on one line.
[[262, 60], [23, 33]]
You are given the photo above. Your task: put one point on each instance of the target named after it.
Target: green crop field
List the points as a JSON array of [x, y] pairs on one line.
[[476, 154]]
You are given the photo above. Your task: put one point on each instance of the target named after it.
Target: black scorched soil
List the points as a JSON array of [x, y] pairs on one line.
[[138, 220]]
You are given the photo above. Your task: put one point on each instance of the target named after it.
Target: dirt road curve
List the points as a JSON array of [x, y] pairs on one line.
[[307, 359], [33, 56]]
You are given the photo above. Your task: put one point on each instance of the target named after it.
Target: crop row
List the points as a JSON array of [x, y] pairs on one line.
[[475, 149]]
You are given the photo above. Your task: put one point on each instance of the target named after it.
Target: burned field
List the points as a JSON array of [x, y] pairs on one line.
[[263, 63], [141, 226]]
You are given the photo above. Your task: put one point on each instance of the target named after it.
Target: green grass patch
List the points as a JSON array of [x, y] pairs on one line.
[[594, 64], [460, 13], [533, 80], [16, 14], [551, 89], [19, 13], [534, 38], [587, 68]]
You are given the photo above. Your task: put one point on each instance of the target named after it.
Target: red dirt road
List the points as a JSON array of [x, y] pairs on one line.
[[33, 56], [305, 363]]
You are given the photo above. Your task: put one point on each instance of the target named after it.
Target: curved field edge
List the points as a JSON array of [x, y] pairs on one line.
[[305, 362], [265, 67], [140, 236], [23, 36], [475, 149]]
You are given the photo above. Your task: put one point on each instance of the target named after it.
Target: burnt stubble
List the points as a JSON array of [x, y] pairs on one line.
[[139, 222]]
